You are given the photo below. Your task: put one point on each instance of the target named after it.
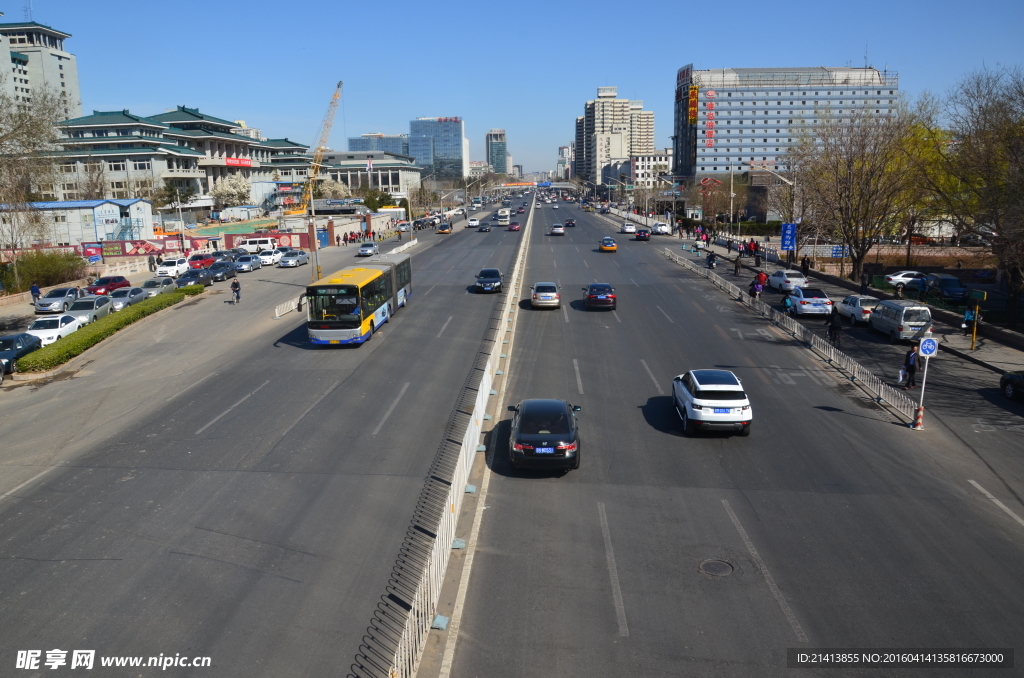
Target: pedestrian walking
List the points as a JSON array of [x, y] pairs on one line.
[[236, 291], [805, 266], [152, 262], [736, 265], [910, 366], [728, 247], [36, 293], [864, 282], [337, 240]]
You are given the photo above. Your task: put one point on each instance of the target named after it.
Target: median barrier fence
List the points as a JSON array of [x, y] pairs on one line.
[[883, 393]]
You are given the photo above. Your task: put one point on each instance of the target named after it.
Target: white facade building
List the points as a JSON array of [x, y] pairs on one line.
[[37, 61]]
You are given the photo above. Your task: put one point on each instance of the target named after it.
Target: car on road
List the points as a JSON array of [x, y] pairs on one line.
[[545, 434], [484, 228], [294, 258], [173, 267], [444, 229], [514, 226], [58, 300], [125, 297], [627, 228], [786, 281], [661, 228], [642, 234], [225, 255], [900, 279], [974, 240], [608, 245], [901, 319], [90, 309], [473, 223], [521, 210], [711, 400], [603, 210], [1012, 384], [557, 229], [224, 269], [197, 276], [201, 260], [108, 284], [155, 286], [248, 262], [570, 222], [368, 249], [857, 308], [810, 301], [489, 280], [14, 347], [545, 295], [269, 257], [945, 286], [555, 206], [599, 295], [284, 250], [53, 328]]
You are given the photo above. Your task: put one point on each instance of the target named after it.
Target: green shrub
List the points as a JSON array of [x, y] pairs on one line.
[[192, 290], [46, 268], [59, 352]]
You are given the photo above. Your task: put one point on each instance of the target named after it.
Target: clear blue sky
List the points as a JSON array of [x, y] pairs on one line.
[[524, 67]]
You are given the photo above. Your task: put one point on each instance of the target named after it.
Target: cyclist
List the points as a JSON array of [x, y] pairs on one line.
[[835, 326], [236, 291]]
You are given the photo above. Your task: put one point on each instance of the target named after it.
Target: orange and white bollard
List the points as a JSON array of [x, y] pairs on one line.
[[918, 424]]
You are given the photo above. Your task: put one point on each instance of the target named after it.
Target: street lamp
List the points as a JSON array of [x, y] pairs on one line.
[[792, 197]]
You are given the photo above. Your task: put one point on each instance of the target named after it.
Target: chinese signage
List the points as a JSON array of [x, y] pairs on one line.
[[238, 162], [693, 104], [709, 118], [448, 119], [788, 237]]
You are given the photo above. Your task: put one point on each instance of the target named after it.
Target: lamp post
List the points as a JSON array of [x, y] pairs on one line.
[[792, 197]]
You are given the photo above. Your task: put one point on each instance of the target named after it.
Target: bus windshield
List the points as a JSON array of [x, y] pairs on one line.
[[334, 307]]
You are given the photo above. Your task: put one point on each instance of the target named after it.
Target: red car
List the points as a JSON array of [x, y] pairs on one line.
[[514, 226], [201, 260], [520, 211], [108, 284]]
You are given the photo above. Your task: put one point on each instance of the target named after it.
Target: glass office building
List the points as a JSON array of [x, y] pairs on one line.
[[496, 147], [440, 147], [390, 143]]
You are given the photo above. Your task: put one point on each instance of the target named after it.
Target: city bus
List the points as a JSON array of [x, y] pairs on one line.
[[346, 307], [504, 216]]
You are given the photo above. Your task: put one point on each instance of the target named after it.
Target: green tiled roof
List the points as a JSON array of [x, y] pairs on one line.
[[282, 143], [30, 24], [183, 114], [193, 133], [124, 117]]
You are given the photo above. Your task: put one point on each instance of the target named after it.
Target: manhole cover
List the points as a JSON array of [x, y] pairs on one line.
[[716, 568]]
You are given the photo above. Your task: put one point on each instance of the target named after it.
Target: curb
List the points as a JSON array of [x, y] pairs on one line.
[[39, 376]]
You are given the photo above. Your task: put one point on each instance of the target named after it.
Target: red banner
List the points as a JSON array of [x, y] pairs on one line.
[[238, 162]]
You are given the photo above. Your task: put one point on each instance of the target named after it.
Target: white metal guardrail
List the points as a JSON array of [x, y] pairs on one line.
[[404, 247], [883, 392], [287, 307]]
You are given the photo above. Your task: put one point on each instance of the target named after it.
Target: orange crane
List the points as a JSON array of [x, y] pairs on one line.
[[323, 137]]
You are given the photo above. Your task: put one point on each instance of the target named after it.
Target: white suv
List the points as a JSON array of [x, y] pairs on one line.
[[711, 400], [473, 223], [661, 228], [627, 228], [172, 267]]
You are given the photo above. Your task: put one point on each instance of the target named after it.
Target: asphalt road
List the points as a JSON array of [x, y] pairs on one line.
[[212, 485], [838, 526]]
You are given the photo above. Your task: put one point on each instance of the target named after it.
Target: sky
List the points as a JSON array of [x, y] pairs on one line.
[[528, 69]]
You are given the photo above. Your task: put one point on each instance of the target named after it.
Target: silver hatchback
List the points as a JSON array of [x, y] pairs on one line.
[[545, 295]]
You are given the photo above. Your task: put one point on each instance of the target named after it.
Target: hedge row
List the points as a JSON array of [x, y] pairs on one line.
[[59, 352]]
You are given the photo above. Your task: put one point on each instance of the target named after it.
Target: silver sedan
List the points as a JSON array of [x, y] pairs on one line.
[[545, 294], [126, 296], [293, 258], [161, 285]]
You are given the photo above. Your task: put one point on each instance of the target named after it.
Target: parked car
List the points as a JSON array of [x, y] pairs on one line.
[[489, 280], [599, 295], [284, 249], [901, 319], [53, 328], [945, 286], [1012, 384], [293, 258], [173, 267], [900, 279], [810, 301], [787, 281], [201, 260], [108, 284], [545, 434], [90, 309], [125, 297], [155, 286], [711, 400], [248, 262], [368, 249], [269, 257], [857, 308], [197, 276], [222, 270], [225, 255], [14, 347], [974, 240], [545, 295], [58, 300]]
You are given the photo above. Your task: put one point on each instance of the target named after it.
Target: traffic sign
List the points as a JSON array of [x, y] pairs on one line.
[[95, 259], [980, 295], [840, 251], [788, 237], [929, 347]]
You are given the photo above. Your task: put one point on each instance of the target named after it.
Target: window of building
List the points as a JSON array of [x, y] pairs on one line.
[[69, 187], [99, 132], [142, 165], [68, 168], [117, 165]]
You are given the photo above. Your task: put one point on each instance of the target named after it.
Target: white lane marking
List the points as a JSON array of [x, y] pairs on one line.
[[552, 250], [191, 386], [577, 249], [616, 263], [634, 282], [997, 502], [565, 314], [797, 629], [243, 399], [554, 263], [310, 409], [30, 480], [391, 409], [651, 375], [579, 382], [615, 313], [613, 572], [430, 290], [444, 326], [665, 314], [585, 263]]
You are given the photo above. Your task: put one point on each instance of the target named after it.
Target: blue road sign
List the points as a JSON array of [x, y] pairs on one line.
[[929, 347], [840, 251], [95, 259], [788, 237]]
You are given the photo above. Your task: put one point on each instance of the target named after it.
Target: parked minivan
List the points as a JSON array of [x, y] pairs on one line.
[[256, 245], [901, 319]]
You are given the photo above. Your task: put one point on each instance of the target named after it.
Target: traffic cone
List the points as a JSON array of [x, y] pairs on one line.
[[918, 424]]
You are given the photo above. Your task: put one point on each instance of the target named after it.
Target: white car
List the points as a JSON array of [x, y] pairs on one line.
[[172, 267], [557, 229], [474, 208], [661, 228], [269, 257], [53, 328], [627, 228], [901, 278], [554, 207], [368, 249], [473, 223], [786, 281], [857, 307], [711, 400], [810, 301]]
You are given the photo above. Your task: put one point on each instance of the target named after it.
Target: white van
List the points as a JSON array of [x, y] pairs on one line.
[[257, 245], [901, 320]]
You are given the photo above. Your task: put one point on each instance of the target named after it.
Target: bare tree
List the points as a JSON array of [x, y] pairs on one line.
[[93, 185]]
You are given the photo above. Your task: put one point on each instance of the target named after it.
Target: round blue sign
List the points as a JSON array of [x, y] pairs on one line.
[[929, 347]]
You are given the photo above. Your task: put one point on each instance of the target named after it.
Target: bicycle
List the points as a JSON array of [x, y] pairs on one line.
[[835, 336]]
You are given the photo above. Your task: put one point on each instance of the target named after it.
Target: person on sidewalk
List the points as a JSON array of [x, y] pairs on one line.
[[152, 263], [864, 282], [36, 293], [968, 322], [736, 265], [910, 365], [762, 278], [337, 241], [805, 266]]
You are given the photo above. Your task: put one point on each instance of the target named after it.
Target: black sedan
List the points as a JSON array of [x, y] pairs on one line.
[[222, 270], [570, 222], [15, 346], [489, 280], [196, 276], [642, 234], [1012, 384], [545, 434], [599, 295], [484, 228]]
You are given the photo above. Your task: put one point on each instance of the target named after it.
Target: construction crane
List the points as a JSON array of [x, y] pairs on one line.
[[318, 154]]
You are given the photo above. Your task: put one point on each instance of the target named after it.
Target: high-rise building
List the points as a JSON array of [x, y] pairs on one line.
[[389, 143], [650, 169], [609, 132], [440, 146], [38, 61], [496, 148], [246, 131], [517, 171], [727, 119]]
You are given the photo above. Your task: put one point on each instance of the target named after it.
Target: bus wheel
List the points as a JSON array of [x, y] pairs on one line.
[[391, 312]]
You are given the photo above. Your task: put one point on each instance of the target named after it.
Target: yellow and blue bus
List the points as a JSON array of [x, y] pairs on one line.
[[348, 306]]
